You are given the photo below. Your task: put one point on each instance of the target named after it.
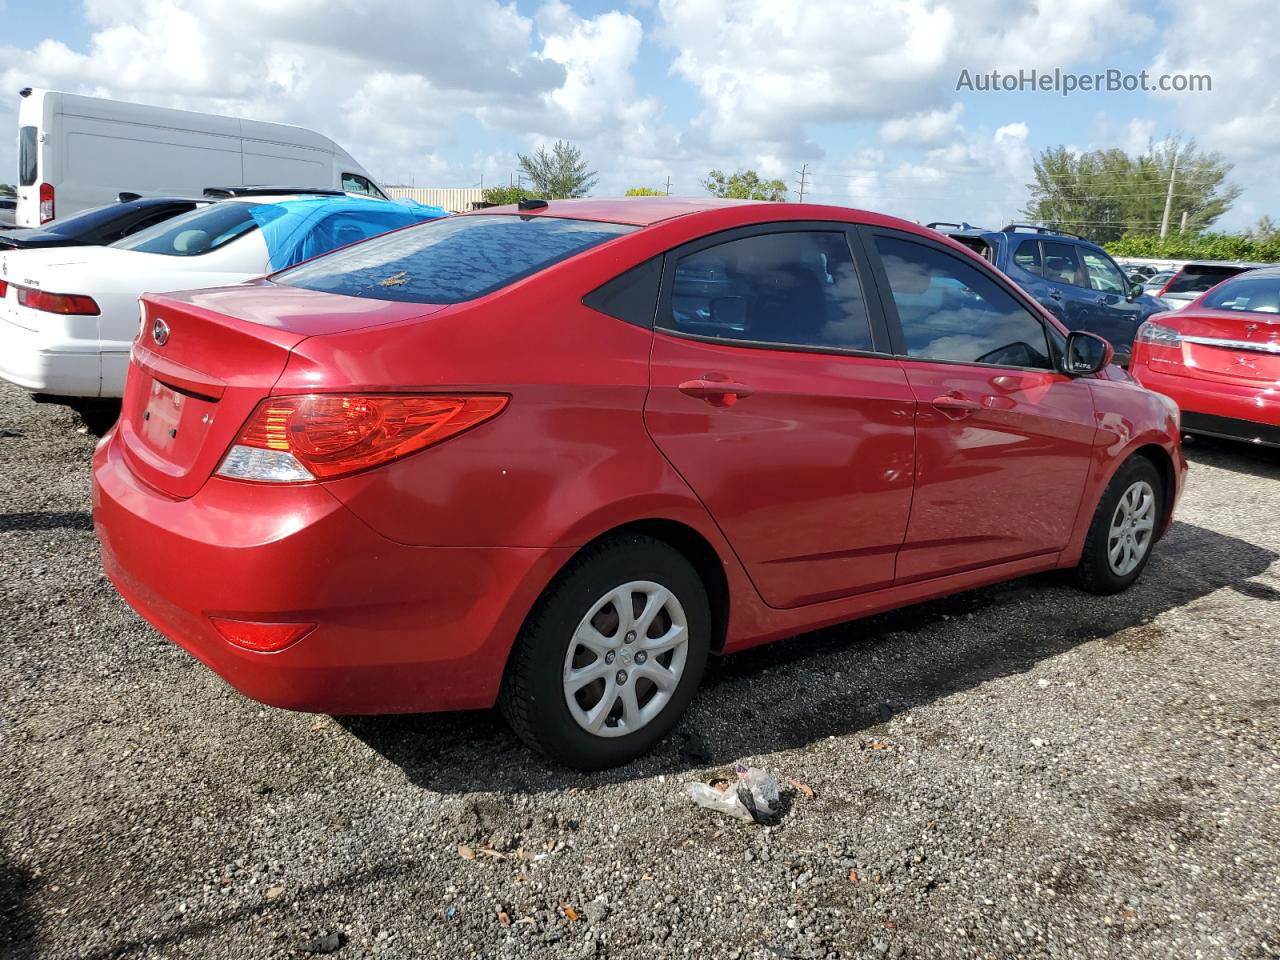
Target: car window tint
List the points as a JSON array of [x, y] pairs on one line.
[[1061, 265], [27, 156], [1027, 256], [798, 288], [354, 183], [1249, 294], [1103, 275], [950, 310], [452, 259], [631, 296], [194, 233], [1200, 278]]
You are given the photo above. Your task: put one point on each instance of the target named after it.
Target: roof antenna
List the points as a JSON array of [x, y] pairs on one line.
[[527, 203]]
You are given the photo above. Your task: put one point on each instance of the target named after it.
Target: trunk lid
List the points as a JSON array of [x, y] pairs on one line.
[[203, 361], [1230, 345]]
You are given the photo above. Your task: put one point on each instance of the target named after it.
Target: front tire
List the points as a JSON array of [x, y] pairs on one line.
[[611, 655], [1123, 529]]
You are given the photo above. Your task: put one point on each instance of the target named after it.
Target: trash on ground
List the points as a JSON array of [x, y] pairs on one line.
[[753, 798]]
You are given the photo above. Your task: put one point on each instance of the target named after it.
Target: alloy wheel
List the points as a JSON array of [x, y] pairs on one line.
[[625, 659], [1132, 527]]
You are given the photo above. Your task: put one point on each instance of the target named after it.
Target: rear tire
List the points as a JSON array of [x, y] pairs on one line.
[[1123, 529], [591, 684]]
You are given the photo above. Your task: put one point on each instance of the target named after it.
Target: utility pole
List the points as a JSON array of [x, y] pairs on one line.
[[1184, 221], [668, 185], [1168, 198], [804, 177]]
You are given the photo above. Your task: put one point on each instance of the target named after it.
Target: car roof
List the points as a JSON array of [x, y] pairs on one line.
[[634, 211], [1242, 264]]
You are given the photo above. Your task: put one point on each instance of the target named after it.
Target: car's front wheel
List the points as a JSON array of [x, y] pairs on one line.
[[611, 655], [1123, 529]]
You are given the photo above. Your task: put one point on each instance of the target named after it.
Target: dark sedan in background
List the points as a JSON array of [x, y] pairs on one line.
[[99, 226]]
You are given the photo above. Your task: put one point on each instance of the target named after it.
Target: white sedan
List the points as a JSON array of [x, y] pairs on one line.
[[68, 315]]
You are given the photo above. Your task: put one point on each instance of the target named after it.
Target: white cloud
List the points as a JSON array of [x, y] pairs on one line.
[[919, 129]]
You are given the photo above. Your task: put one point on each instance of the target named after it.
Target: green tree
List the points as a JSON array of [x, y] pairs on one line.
[[743, 185], [1105, 194], [644, 192], [560, 173], [501, 195], [1265, 229]]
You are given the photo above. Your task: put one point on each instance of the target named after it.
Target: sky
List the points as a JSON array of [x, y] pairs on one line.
[[860, 93]]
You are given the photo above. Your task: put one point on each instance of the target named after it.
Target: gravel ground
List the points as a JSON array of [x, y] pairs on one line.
[[1018, 771]]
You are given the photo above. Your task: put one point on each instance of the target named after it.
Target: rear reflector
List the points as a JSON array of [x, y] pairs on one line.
[[320, 436], [69, 304], [261, 637], [4, 289]]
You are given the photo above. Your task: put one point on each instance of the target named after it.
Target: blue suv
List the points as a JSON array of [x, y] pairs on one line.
[[1073, 279]]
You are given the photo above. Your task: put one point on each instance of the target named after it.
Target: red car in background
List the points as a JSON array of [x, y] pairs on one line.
[[1219, 358], [554, 455]]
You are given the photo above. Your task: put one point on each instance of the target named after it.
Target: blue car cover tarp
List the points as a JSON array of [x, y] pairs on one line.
[[296, 230]]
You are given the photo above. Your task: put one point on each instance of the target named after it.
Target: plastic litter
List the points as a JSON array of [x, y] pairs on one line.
[[754, 797]]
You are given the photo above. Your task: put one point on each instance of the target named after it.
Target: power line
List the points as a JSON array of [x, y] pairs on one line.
[[804, 173]]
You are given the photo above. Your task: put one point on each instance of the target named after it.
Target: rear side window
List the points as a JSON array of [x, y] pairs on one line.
[[1027, 256], [194, 233], [1249, 294], [1199, 279], [791, 289], [27, 167], [631, 296], [949, 310], [450, 260], [1061, 265]]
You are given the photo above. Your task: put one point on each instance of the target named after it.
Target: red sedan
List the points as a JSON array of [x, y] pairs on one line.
[[1219, 358], [553, 456]]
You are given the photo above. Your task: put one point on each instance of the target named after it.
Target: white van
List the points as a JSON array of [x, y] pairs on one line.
[[76, 152]]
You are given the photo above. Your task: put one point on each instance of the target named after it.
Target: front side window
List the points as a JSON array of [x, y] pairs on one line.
[[949, 310], [793, 289], [1061, 265], [1027, 256], [452, 259], [27, 153], [354, 183], [194, 233], [1247, 294], [1103, 274]]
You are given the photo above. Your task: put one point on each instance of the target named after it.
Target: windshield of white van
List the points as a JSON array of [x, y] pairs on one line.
[[27, 156], [194, 233]]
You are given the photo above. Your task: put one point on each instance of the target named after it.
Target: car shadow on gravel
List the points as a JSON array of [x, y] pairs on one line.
[[47, 520], [17, 925], [847, 679], [1245, 458]]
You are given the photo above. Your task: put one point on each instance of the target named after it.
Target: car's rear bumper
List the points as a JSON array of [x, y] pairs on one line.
[[47, 361], [1215, 408], [399, 629]]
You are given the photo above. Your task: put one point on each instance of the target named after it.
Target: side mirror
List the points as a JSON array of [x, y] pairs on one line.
[[1086, 354], [1135, 291], [729, 312]]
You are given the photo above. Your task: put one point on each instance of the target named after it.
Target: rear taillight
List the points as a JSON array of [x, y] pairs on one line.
[[320, 436], [4, 289], [1158, 335], [73, 304], [46, 202]]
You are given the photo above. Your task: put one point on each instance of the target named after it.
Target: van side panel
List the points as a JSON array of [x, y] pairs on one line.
[[91, 149]]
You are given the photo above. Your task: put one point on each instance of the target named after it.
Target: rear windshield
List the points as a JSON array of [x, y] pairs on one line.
[[1200, 279], [194, 233], [450, 260], [1247, 294], [27, 156]]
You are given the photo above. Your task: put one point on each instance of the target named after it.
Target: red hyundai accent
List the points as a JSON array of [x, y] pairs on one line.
[[554, 456], [1219, 358]]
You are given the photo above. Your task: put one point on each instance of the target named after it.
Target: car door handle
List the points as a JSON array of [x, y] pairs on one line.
[[1055, 294], [718, 393], [954, 406]]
